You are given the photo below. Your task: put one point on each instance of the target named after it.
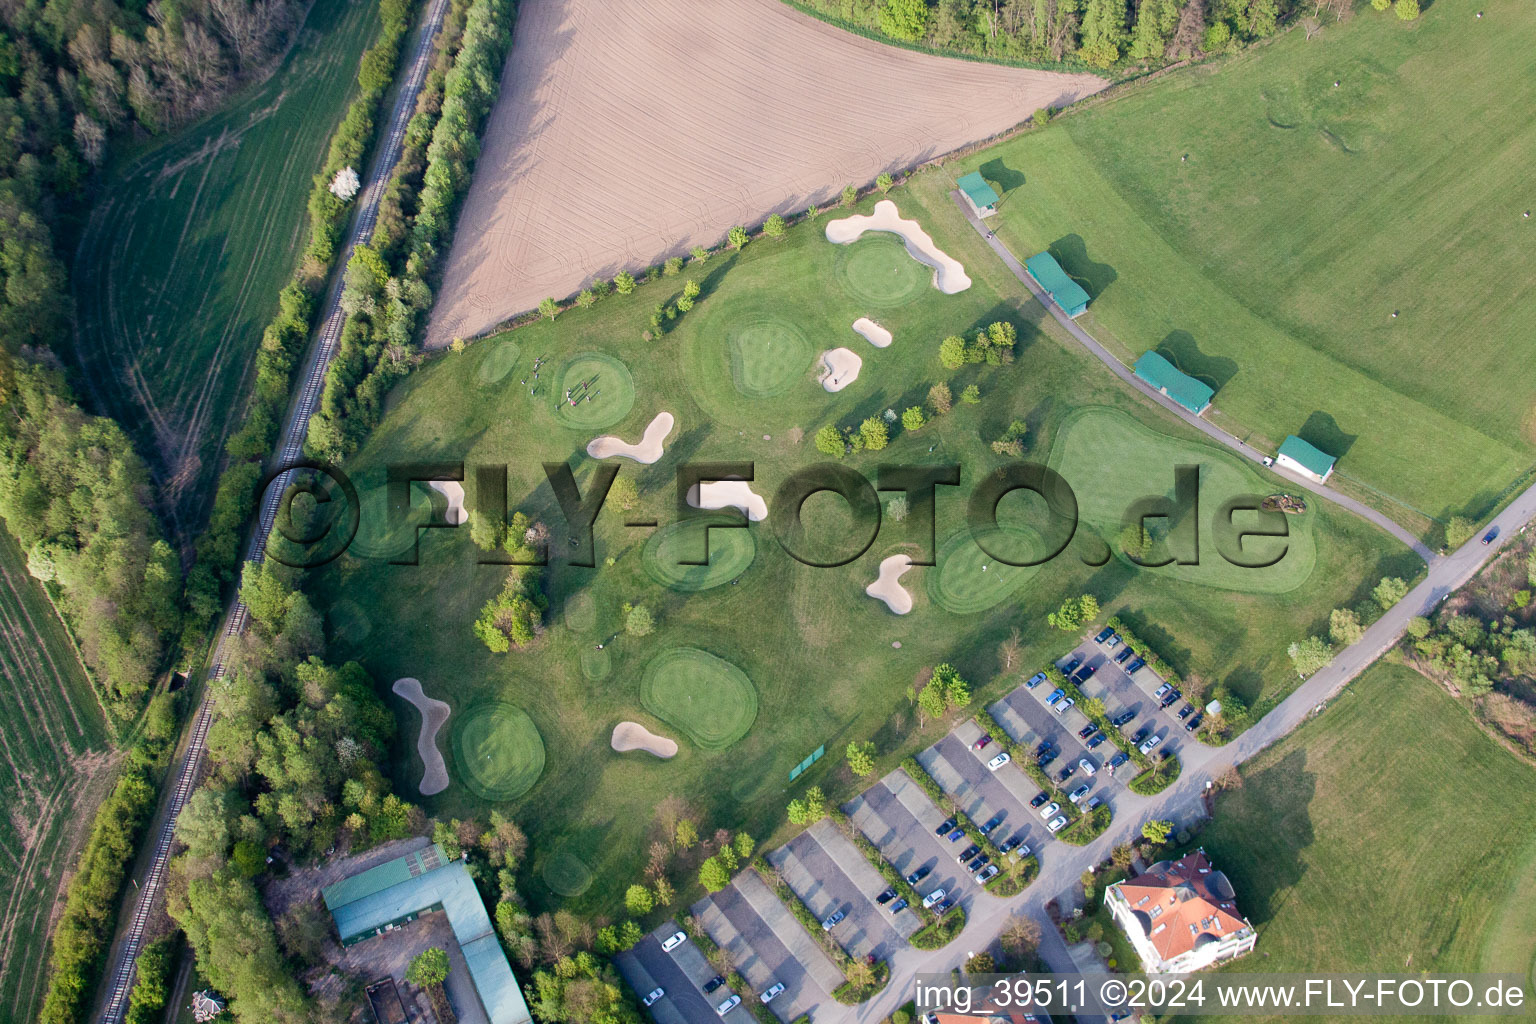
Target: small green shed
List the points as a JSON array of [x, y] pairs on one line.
[[1301, 457], [1069, 295], [1162, 375], [981, 197]]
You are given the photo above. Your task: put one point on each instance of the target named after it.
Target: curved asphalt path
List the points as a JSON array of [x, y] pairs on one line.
[[1125, 373], [290, 448]]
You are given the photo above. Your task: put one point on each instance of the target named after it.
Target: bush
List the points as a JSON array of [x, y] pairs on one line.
[[1158, 778]]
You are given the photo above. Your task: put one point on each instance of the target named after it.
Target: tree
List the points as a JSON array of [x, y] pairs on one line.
[[884, 182], [1309, 655], [952, 352], [1406, 10], [1103, 29], [939, 398], [690, 289], [1042, 117], [1136, 542], [585, 298], [1217, 38], [1344, 627], [1074, 613], [906, 20], [773, 227], [686, 834], [1021, 936], [809, 808], [829, 441], [673, 266], [624, 493], [1011, 649], [428, 968], [861, 757], [971, 395], [947, 681], [874, 434], [980, 963], [913, 419], [549, 308], [639, 622], [896, 508], [1381, 5], [736, 237], [850, 195], [744, 844], [1157, 831], [931, 702], [638, 900], [624, 282]]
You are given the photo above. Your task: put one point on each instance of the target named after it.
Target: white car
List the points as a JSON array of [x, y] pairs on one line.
[[767, 997], [674, 940], [986, 874], [655, 994], [729, 1005], [998, 761], [1149, 743], [1049, 809], [1162, 691], [1057, 823], [1065, 704], [1076, 796], [932, 898], [1089, 768]]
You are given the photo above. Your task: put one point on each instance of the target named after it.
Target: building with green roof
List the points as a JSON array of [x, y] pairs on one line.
[[980, 196], [1067, 293], [1298, 456], [1162, 375], [392, 894]]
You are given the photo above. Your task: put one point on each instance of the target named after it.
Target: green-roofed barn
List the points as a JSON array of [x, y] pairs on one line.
[[394, 893], [1298, 456], [1067, 293], [980, 196], [1163, 376]]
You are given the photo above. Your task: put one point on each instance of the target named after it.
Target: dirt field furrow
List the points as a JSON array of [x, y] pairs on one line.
[[628, 132]]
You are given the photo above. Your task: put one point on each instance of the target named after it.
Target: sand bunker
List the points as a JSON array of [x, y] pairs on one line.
[[839, 368], [872, 332], [454, 492], [434, 777], [629, 736], [728, 494], [645, 453], [948, 275], [887, 586]]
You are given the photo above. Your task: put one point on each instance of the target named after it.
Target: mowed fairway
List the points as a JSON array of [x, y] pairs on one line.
[[819, 653], [56, 758], [180, 265], [1387, 837], [1259, 225], [706, 697]]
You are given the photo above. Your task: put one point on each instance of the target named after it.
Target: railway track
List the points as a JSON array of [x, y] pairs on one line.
[[290, 449]]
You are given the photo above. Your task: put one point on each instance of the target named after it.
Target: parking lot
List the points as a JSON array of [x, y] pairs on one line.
[[898, 817], [1121, 692], [830, 875], [682, 973]]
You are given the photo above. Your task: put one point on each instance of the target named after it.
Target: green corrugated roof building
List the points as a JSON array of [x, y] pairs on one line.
[[1192, 394], [1069, 295], [982, 197], [1305, 459], [394, 893]]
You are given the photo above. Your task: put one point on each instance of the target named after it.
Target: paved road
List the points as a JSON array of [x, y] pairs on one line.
[[1124, 372], [290, 448]]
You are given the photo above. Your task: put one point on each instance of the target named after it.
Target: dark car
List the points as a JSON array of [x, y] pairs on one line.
[[979, 863], [1193, 723], [1046, 759], [944, 905], [1118, 760], [967, 853], [1082, 677], [1043, 748], [1142, 734], [1186, 711], [1034, 680], [886, 896], [1087, 730], [1123, 656], [949, 823], [1071, 665], [1066, 773], [918, 875], [1488, 537], [1168, 701], [898, 906], [1135, 666], [956, 835], [1040, 799], [714, 983], [981, 743], [992, 823], [1122, 718], [1097, 739], [1105, 634], [1009, 845]]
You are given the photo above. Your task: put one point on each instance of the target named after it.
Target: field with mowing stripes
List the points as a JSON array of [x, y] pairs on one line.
[[56, 755], [179, 268]]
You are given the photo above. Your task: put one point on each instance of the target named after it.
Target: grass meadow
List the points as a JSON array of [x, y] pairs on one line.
[[1260, 219], [1392, 835], [179, 267], [820, 656], [57, 760]]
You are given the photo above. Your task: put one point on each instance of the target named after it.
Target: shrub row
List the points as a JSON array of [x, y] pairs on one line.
[[1088, 827], [938, 934], [1157, 778], [887, 870]]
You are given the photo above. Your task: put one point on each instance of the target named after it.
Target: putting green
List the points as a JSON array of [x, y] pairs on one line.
[[708, 699], [596, 664], [499, 751], [769, 354], [967, 580], [1112, 460], [608, 382], [878, 271], [375, 537], [730, 554], [498, 361], [349, 623], [580, 612], [565, 873]]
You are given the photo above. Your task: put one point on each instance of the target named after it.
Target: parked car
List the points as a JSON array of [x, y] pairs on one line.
[[1168, 701], [1104, 634], [1055, 696], [1066, 773], [1049, 809], [920, 873], [898, 906], [1056, 824], [1488, 537], [1092, 803], [1115, 762], [1039, 799], [1043, 748], [1136, 665], [968, 853], [981, 744], [1097, 739], [833, 921], [1124, 656], [955, 835], [1065, 704], [992, 823], [1142, 734], [653, 995], [767, 997], [1085, 674], [1077, 794], [1112, 642], [714, 983], [1047, 759], [986, 874], [886, 896], [1071, 665], [949, 823], [1122, 718], [945, 906], [1021, 852], [1087, 730], [1088, 767], [932, 898], [1186, 711], [674, 940], [1148, 745], [1008, 845], [1034, 680], [729, 1005], [1193, 723], [1161, 691], [998, 761], [979, 862]]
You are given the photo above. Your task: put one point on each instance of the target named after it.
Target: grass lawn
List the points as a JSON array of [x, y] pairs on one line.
[[1392, 835], [817, 651], [1258, 221], [56, 750], [180, 265]]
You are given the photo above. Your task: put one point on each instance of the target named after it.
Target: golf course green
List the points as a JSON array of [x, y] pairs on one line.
[[601, 388], [731, 552], [709, 699], [498, 361], [878, 271], [498, 751], [769, 353]]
